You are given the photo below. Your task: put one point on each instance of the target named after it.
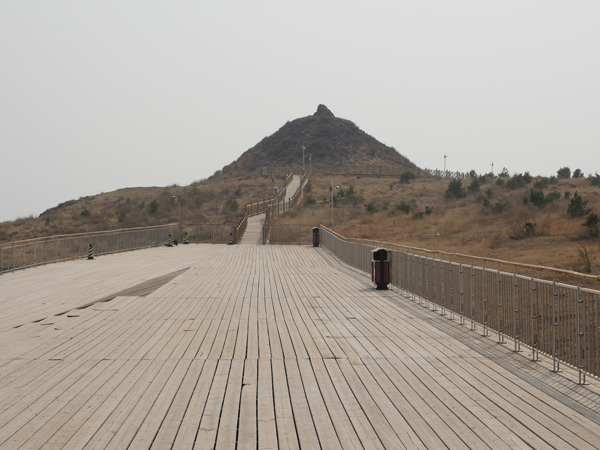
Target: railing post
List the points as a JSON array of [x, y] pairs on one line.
[[500, 310], [580, 336], [555, 330]]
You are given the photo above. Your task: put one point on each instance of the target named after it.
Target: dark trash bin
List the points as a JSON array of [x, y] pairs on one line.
[[316, 237], [380, 268]]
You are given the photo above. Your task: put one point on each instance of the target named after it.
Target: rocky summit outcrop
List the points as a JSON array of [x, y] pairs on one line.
[[329, 139]]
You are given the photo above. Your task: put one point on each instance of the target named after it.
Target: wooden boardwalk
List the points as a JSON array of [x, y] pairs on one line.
[[263, 347]]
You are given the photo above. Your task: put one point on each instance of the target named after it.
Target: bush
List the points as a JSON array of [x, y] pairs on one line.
[[310, 200], [371, 208], [499, 182], [405, 177], [475, 185], [519, 180], [595, 179], [500, 205], [141, 205], [199, 200], [308, 186], [486, 202], [504, 173], [554, 195], [154, 206], [529, 228], [526, 200], [385, 206], [232, 204], [567, 195], [238, 192], [428, 210], [537, 198], [404, 207], [86, 212], [591, 223], [577, 206], [419, 215], [577, 173], [564, 172], [122, 217], [489, 192], [455, 190]]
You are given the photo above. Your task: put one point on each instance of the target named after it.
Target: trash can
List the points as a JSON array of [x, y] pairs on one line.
[[380, 268], [316, 237]]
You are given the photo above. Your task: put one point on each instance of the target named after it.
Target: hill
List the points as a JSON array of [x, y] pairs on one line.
[[329, 139]]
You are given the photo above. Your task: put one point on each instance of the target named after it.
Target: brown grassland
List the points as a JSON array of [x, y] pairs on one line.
[[462, 225]]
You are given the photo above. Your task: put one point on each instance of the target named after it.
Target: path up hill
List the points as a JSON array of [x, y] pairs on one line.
[[331, 141]]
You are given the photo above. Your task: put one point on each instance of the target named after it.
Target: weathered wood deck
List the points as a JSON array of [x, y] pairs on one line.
[[262, 347]]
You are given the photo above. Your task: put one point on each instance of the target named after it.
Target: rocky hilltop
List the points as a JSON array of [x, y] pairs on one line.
[[329, 139]]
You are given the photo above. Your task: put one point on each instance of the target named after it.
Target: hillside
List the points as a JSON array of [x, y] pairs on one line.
[[496, 228], [329, 139]]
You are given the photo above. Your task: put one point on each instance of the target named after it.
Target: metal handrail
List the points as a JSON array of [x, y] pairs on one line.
[[559, 320]]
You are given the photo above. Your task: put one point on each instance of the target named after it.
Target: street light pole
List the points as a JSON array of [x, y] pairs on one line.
[[331, 189], [179, 201]]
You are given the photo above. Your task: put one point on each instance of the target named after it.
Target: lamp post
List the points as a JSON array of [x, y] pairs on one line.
[[179, 201], [445, 156], [331, 189]]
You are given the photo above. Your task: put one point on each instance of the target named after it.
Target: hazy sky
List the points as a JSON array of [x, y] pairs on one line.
[[96, 96]]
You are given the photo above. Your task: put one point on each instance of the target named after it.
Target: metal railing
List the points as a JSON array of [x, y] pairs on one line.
[[208, 234], [559, 320], [40, 251], [287, 234], [35, 252]]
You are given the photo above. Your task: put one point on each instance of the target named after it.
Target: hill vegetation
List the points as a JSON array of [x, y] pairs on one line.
[[329, 139], [547, 221]]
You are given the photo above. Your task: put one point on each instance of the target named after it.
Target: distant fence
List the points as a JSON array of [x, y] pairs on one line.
[[287, 234], [555, 319], [386, 171], [40, 251]]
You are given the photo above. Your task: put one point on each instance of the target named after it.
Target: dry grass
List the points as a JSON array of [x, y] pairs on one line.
[[461, 226]]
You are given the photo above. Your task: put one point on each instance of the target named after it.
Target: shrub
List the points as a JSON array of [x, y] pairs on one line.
[[475, 185], [371, 208], [504, 173], [154, 206], [47, 220], [500, 205], [232, 204], [489, 192], [385, 206], [577, 173], [595, 179], [455, 190], [486, 202], [122, 217], [428, 210], [591, 223], [564, 172], [405, 177], [419, 215], [577, 206], [141, 205], [238, 192], [499, 182], [537, 198], [404, 207], [310, 200], [529, 228], [526, 200], [554, 195], [199, 200], [308, 186], [86, 212], [567, 195], [519, 180]]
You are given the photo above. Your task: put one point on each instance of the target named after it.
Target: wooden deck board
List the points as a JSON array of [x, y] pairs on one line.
[[262, 347]]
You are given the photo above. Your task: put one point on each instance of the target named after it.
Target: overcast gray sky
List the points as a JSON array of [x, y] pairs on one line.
[[96, 96]]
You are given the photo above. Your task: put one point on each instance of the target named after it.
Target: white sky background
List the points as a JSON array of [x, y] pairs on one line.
[[96, 96]]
